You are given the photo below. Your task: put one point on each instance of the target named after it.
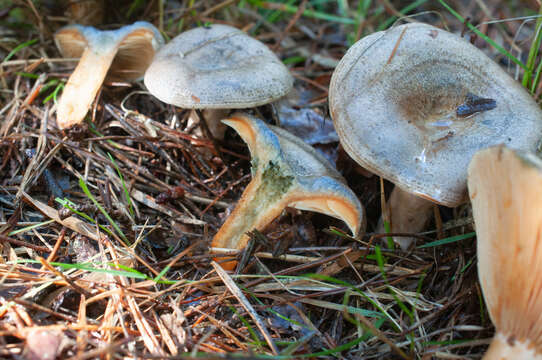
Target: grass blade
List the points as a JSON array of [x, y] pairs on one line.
[[102, 210], [448, 240], [483, 36]]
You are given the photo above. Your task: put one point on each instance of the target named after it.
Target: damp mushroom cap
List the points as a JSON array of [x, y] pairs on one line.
[[217, 67], [505, 188], [122, 54], [286, 172], [414, 103]]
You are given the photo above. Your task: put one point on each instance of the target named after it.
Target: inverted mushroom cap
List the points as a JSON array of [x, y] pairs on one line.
[[286, 172], [217, 67], [505, 187], [414, 103], [122, 54], [135, 45]]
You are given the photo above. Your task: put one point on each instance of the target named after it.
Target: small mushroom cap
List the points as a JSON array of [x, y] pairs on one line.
[[217, 67], [135, 45], [401, 104], [505, 188]]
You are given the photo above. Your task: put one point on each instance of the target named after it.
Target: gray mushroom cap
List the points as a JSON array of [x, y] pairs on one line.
[[217, 67], [401, 102]]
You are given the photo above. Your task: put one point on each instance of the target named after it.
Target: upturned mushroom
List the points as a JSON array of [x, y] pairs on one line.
[[122, 54], [414, 103], [286, 172], [505, 188], [216, 68]]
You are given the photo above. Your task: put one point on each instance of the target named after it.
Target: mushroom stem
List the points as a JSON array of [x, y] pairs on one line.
[[213, 119], [502, 347], [505, 188], [83, 85], [286, 172], [262, 201], [409, 213]]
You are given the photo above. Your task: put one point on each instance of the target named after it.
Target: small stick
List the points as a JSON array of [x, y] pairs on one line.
[[16, 242], [59, 241], [379, 334], [392, 55], [70, 282], [230, 284]]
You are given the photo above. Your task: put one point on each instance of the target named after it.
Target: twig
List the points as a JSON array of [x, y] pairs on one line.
[[230, 284]]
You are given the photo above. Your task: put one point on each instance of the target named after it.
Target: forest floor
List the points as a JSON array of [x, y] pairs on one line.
[[105, 228]]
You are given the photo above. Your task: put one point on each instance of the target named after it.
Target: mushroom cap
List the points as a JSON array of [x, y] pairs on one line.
[[318, 178], [318, 185], [217, 67], [135, 44], [395, 98]]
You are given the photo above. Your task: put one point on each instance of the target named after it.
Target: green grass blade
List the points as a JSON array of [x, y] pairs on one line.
[[162, 273], [102, 210], [28, 228], [19, 48], [536, 80], [448, 240], [386, 24], [380, 261], [307, 13], [483, 36], [533, 53], [53, 95], [382, 312], [70, 206], [124, 187], [389, 239], [91, 268]]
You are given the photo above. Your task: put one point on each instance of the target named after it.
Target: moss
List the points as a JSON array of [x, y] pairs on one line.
[[276, 181], [254, 166]]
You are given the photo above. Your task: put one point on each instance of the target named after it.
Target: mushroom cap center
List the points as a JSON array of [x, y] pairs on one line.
[[429, 97]]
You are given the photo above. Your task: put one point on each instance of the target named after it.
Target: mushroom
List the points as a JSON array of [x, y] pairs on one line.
[[122, 54], [286, 172], [216, 68], [414, 103], [505, 188]]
